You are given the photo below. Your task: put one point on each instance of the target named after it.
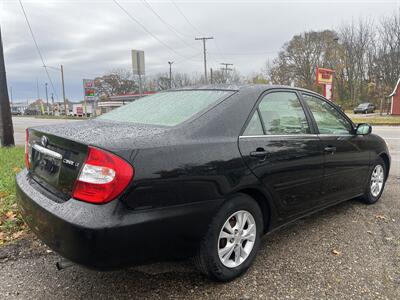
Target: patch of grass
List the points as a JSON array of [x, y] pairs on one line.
[[11, 224], [377, 120]]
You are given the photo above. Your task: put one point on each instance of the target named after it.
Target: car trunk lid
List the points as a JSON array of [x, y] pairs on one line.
[[58, 152], [55, 161]]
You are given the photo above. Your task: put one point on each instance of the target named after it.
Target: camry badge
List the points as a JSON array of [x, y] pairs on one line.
[[44, 141]]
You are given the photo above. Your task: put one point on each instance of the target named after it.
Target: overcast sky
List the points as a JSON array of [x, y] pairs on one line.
[[92, 37]]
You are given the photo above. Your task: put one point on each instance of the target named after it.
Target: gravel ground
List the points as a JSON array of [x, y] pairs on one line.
[[350, 251]]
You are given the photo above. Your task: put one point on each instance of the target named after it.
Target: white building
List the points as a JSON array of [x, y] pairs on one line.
[[119, 100]]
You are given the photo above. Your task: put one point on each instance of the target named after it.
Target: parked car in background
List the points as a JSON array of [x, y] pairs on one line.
[[200, 173], [16, 112], [364, 108]]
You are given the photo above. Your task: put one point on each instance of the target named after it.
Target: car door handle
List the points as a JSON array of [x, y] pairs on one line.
[[330, 149], [259, 153]]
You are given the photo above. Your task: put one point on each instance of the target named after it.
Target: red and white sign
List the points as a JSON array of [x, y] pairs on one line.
[[328, 91], [324, 76]]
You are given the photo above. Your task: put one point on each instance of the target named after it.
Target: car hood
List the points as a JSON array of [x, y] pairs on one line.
[[106, 134]]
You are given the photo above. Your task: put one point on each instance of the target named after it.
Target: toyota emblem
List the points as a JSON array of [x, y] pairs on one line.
[[44, 141]]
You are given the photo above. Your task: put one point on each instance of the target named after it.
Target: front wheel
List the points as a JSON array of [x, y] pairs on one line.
[[376, 182], [232, 241]]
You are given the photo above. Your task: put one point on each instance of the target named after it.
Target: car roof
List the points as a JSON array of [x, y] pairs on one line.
[[242, 87]]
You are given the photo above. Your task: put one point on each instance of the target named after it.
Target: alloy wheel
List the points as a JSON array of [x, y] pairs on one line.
[[377, 178], [236, 239]]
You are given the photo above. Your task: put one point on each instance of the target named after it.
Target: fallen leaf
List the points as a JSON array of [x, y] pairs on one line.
[[17, 234], [1, 235], [17, 169], [380, 217], [369, 232], [336, 252], [10, 215]]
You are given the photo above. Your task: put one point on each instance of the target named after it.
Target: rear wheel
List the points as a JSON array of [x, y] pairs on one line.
[[232, 241], [376, 182]]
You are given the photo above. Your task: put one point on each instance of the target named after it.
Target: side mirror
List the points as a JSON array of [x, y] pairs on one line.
[[363, 129]]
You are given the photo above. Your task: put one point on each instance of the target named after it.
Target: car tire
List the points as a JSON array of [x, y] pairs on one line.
[[208, 259], [376, 182]]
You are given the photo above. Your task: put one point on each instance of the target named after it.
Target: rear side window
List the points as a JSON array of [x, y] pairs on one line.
[[254, 127], [167, 108], [282, 113]]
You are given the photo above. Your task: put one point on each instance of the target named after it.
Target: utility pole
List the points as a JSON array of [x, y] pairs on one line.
[[6, 126], [226, 69], [11, 97], [52, 103], [211, 76], [47, 99], [63, 90], [204, 39], [170, 74]]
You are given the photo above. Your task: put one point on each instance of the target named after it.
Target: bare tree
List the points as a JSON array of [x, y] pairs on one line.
[[365, 57], [297, 61], [119, 81], [388, 52]]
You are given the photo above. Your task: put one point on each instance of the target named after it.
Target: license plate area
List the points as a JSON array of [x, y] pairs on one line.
[[46, 164]]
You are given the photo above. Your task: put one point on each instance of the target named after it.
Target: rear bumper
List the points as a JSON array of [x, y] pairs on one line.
[[111, 236]]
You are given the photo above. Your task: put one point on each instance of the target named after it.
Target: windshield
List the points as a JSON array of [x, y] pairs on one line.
[[166, 108]]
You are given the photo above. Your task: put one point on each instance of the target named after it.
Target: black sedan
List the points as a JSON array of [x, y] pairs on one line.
[[364, 108], [200, 173]]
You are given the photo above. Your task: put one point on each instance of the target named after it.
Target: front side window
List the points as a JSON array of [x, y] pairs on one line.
[[282, 113], [167, 108], [328, 119]]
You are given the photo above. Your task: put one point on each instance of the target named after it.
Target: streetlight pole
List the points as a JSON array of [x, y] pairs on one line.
[[336, 42], [381, 93], [170, 74], [6, 126], [47, 99], [63, 90]]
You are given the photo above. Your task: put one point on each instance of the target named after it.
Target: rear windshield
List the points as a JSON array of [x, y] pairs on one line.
[[363, 105], [166, 108]]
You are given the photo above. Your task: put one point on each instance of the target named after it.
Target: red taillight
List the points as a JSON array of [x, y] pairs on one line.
[[103, 177], [27, 155]]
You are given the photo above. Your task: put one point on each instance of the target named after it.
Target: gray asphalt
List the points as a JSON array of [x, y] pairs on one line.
[[21, 123], [296, 262]]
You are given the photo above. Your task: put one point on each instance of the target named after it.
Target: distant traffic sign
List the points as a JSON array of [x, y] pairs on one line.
[[138, 62]]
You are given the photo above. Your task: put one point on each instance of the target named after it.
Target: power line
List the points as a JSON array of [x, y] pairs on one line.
[[176, 32], [183, 15], [189, 58], [37, 48], [145, 29]]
